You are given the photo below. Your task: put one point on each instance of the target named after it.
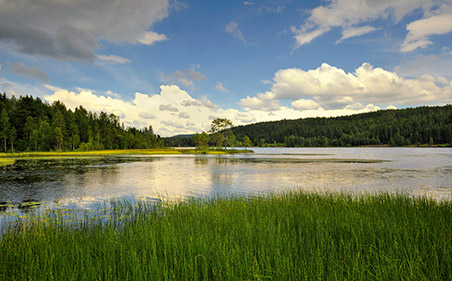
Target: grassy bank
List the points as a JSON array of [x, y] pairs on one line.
[[295, 236], [6, 161]]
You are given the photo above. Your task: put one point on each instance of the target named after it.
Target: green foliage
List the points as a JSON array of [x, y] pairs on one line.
[[411, 126], [247, 142], [220, 130], [28, 124], [4, 128], [297, 236], [201, 140]]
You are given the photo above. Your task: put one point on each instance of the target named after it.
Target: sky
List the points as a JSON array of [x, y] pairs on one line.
[[178, 65]]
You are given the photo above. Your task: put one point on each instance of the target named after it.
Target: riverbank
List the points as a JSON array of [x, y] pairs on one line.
[[294, 236], [8, 158]]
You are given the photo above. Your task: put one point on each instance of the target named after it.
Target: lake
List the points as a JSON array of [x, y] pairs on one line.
[[82, 182]]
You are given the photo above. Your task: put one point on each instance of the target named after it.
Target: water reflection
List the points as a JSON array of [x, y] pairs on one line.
[[81, 182]]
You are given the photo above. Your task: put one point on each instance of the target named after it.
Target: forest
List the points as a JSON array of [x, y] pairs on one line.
[[29, 124], [402, 127]]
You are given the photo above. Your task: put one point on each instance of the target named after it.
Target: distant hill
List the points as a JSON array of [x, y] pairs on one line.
[[179, 141], [426, 125], [411, 126]]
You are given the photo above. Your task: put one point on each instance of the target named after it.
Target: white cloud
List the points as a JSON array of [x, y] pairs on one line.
[[72, 30], [419, 31], [303, 37], [332, 88], [295, 93], [207, 103], [146, 115], [145, 110], [190, 103], [173, 124], [113, 59], [349, 14], [303, 104], [220, 87], [248, 3], [151, 37], [356, 31], [233, 28], [184, 115], [112, 94], [265, 102], [245, 117], [168, 107]]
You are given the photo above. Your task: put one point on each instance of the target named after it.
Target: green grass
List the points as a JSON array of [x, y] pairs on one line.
[[6, 161], [8, 157], [294, 236]]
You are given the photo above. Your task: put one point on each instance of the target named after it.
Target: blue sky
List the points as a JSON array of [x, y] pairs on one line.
[[177, 65]]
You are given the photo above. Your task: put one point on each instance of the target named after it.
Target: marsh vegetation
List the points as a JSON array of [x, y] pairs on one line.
[[293, 236]]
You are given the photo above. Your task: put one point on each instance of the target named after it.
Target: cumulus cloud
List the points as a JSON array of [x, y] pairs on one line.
[[233, 28], [145, 110], [207, 103], [329, 87], [263, 101], [172, 124], [113, 59], [245, 117], [184, 115], [24, 70], [190, 103], [350, 14], [146, 115], [304, 104], [71, 30], [295, 93], [139, 111], [168, 107]]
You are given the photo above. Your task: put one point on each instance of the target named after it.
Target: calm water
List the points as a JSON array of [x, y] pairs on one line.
[[86, 181]]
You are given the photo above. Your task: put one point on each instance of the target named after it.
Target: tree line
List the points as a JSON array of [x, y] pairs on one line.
[[29, 124], [411, 126], [402, 127]]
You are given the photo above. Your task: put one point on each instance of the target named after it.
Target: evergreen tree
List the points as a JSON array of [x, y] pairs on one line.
[[4, 128]]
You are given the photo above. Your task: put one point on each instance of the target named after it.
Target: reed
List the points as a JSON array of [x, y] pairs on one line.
[[293, 236]]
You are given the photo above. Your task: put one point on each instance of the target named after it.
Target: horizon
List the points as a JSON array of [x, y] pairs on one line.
[[178, 65]]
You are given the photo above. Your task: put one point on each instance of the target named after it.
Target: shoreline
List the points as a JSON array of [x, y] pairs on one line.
[[10, 157]]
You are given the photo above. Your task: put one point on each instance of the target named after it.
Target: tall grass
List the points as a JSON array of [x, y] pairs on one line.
[[294, 236]]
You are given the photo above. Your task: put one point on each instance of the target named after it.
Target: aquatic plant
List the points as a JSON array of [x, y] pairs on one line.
[[293, 236]]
